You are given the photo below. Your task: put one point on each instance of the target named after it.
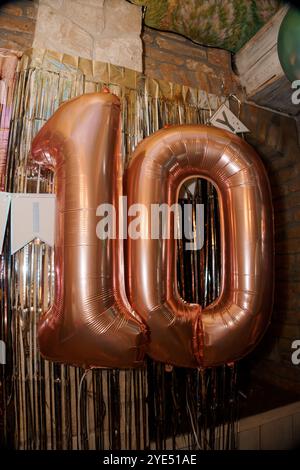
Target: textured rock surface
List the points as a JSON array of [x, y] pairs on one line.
[[105, 30], [17, 24], [168, 56]]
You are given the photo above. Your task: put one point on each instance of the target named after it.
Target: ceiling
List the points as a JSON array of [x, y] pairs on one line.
[[227, 24]]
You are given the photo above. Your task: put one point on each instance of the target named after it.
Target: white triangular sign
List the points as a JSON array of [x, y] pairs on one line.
[[5, 199], [225, 119], [32, 216]]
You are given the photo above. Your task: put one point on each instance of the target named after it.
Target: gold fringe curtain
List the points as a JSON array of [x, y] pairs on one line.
[[51, 406], [46, 79]]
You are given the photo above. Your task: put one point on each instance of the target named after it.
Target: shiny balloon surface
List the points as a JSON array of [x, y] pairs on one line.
[[91, 323]]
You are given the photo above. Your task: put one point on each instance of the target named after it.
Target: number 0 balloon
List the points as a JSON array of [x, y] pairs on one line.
[[230, 327], [91, 322]]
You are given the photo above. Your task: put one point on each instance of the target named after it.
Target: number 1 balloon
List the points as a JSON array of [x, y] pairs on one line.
[[90, 323]]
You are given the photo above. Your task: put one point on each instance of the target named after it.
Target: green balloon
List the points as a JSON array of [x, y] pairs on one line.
[[288, 44]]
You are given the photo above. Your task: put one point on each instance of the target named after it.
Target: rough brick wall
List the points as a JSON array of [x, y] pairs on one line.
[[173, 58], [276, 139], [17, 24]]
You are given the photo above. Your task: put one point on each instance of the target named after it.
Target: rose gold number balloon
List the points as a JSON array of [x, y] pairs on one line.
[[90, 323], [232, 325]]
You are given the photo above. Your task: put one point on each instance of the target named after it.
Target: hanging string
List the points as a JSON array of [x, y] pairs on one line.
[[83, 377]]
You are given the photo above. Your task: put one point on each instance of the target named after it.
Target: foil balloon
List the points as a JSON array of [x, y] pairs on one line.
[[90, 323], [224, 331]]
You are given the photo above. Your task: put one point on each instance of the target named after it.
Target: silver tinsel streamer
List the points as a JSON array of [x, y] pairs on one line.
[[51, 406]]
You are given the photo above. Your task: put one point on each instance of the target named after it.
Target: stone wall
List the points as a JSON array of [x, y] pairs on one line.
[[173, 58], [84, 27], [17, 24], [104, 30]]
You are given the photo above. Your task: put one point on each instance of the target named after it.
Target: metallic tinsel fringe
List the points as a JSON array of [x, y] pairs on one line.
[[50, 406]]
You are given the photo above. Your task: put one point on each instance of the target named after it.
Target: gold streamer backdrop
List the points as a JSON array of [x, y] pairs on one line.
[[50, 406]]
